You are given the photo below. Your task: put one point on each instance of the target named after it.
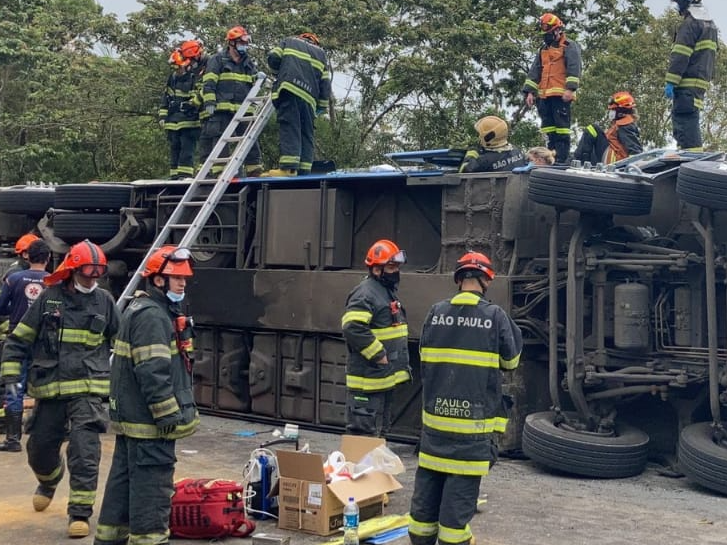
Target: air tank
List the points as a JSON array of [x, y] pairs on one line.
[[631, 316]]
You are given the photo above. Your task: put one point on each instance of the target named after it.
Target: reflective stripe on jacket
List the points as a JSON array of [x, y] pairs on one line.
[[691, 64], [371, 332], [177, 108], [556, 68], [301, 68], [150, 385], [466, 342], [69, 335], [225, 83]]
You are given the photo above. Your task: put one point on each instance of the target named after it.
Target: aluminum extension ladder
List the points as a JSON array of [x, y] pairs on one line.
[[261, 107]]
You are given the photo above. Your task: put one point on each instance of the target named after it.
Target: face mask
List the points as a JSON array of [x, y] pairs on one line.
[[83, 289], [175, 297], [611, 115], [390, 280], [241, 48], [549, 38]]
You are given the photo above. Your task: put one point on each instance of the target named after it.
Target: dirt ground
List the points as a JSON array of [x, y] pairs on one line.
[[525, 505]]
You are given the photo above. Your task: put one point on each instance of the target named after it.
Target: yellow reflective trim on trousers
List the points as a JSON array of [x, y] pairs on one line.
[[25, 332], [454, 467], [461, 356], [57, 472], [371, 350], [510, 364], [82, 497], [305, 166], [424, 529], [318, 65], [81, 336], [704, 45], [70, 387], [150, 431], [365, 384], [355, 315], [681, 49], [592, 131], [10, 369], [547, 130], [673, 78], [149, 539], [105, 532], [454, 535], [392, 332], [464, 425], [142, 353], [164, 408], [562, 130], [465, 298]]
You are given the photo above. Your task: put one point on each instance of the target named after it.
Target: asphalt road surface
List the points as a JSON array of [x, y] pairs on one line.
[[526, 505]]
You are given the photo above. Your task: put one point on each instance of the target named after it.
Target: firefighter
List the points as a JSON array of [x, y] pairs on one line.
[[227, 80], [21, 251], [151, 404], [495, 154], [179, 116], [375, 328], [465, 345], [300, 94], [552, 83], [20, 290], [68, 331], [691, 68], [622, 138]]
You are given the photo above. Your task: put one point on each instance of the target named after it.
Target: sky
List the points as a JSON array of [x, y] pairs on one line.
[[716, 8]]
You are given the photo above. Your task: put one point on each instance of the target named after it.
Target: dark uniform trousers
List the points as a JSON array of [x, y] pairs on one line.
[[685, 120], [295, 117], [47, 430], [461, 492], [142, 475], [182, 144], [555, 119], [212, 129], [369, 413]]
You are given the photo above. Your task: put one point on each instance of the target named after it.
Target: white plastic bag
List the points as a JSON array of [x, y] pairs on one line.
[[382, 458]]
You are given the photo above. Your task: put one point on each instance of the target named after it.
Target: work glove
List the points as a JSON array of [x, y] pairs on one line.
[[320, 111], [669, 90], [161, 123], [210, 109], [168, 429]]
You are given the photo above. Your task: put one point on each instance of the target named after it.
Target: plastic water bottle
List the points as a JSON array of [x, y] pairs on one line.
[[350, 523]]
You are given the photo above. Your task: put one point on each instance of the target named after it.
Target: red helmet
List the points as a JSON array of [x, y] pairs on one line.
[[383, 252], [170, 261], [177, 59], [85, 257], [191, 49], [309, 36], [238, 33], [549, 22], [24, 242], [622, 99], [473, 265]]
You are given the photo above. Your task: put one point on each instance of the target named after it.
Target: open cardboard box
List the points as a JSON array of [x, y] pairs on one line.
[[308, 504]]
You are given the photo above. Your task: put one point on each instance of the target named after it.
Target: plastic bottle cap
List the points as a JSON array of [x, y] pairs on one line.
[[350, 499]]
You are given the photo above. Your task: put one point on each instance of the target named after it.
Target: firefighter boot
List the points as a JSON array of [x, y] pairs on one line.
[[78, 527], [42, 497], [14, 425], [279, 173], [253, 171]]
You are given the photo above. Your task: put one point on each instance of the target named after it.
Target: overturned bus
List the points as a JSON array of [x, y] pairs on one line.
[[616, 278]]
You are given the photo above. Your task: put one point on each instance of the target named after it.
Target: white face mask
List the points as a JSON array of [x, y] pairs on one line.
[[611, 115], [175, 297], [83, 289]]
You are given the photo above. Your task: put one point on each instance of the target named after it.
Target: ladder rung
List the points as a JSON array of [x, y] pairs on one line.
[[219, 160], [180, 225]]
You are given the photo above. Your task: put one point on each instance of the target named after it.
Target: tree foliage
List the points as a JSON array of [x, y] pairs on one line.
[[79, 89]]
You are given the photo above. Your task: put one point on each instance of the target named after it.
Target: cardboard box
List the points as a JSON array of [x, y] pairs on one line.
[[308, 504]]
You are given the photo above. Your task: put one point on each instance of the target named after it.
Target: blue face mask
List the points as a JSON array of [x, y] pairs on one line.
[[241, 48], [175, 297]]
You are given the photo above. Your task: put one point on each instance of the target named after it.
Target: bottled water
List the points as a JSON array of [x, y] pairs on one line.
[[350, 523]]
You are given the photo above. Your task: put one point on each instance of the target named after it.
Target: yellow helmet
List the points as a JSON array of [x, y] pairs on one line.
[[492, 131]]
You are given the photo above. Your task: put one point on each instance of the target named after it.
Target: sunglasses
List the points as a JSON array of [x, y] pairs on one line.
[[92, 271]]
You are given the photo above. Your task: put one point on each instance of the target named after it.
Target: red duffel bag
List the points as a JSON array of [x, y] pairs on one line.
[[208, 508]]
